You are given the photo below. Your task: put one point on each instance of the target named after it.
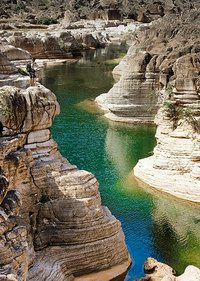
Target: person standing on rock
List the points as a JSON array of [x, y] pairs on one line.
[[31, 69]]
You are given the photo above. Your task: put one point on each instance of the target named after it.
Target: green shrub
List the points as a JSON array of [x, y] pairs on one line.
[[4, 109], [47, 21], [176, 112], [23, 72]]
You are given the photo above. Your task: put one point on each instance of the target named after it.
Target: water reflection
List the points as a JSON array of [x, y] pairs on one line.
[[176, 231], [174, 224], [125, 144], [154, 225]]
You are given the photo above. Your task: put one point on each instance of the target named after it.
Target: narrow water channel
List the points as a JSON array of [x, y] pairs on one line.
[[154, 224]]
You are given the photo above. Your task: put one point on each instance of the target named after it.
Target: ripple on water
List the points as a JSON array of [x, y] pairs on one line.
[[154, 224]]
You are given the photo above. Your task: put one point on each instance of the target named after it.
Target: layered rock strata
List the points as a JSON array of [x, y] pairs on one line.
[[56, 44], [9, 74], [175, 164], [134, 98], [145, 71], [59, 229]]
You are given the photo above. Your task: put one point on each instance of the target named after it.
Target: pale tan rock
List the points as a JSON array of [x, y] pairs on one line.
[[13, 53], [38, 136], [158, 271], [174, 167], [66, 231], [134, 98], [6, 67], [191, 273], [34, 111]]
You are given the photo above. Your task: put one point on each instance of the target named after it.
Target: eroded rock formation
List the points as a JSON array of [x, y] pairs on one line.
[[56, 44], [148, 66], [9, 74], [134, 98], [157, 271], [175, 165], [53, 226]]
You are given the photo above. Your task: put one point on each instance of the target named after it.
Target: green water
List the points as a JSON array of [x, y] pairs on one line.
[[154, 224]]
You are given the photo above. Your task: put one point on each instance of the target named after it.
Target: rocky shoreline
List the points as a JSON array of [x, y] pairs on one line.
[[53, 226], [47, 204], [160, 71]]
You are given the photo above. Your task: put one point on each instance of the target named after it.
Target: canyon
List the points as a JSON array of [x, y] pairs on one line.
[[52, 221], [161, 71], [53, 225]]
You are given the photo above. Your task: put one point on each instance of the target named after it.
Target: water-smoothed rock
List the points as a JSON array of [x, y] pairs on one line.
[[145, 71], [175, 166], [66, 231], [6, 67], [134, 98], [13, 53], [157, 271]]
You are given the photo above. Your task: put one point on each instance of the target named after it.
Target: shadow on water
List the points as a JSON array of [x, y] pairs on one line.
[[154, 224]]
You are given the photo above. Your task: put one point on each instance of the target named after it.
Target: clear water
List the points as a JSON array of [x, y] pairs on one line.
[[154, 224]]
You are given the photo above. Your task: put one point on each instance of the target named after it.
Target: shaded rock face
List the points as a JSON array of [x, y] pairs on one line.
[[13, 242], [175, 165], [63, 229]]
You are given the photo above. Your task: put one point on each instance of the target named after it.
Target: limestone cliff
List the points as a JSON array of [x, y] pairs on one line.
[[52, 223], [134, 98], [175, 164], [147, 68]]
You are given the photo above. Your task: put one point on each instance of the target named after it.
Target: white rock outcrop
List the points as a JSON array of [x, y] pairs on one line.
[[175, 166]]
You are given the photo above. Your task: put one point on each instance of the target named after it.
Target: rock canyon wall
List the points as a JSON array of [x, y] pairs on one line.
[[52, 223], [145, 71], [175, 164], [161, 70]]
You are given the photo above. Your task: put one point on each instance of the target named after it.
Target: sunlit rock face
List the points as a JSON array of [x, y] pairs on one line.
[[9, 74], [57, 44], [53, 226], [134, 98], [13, 53], [175, 165], [144, 73]]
